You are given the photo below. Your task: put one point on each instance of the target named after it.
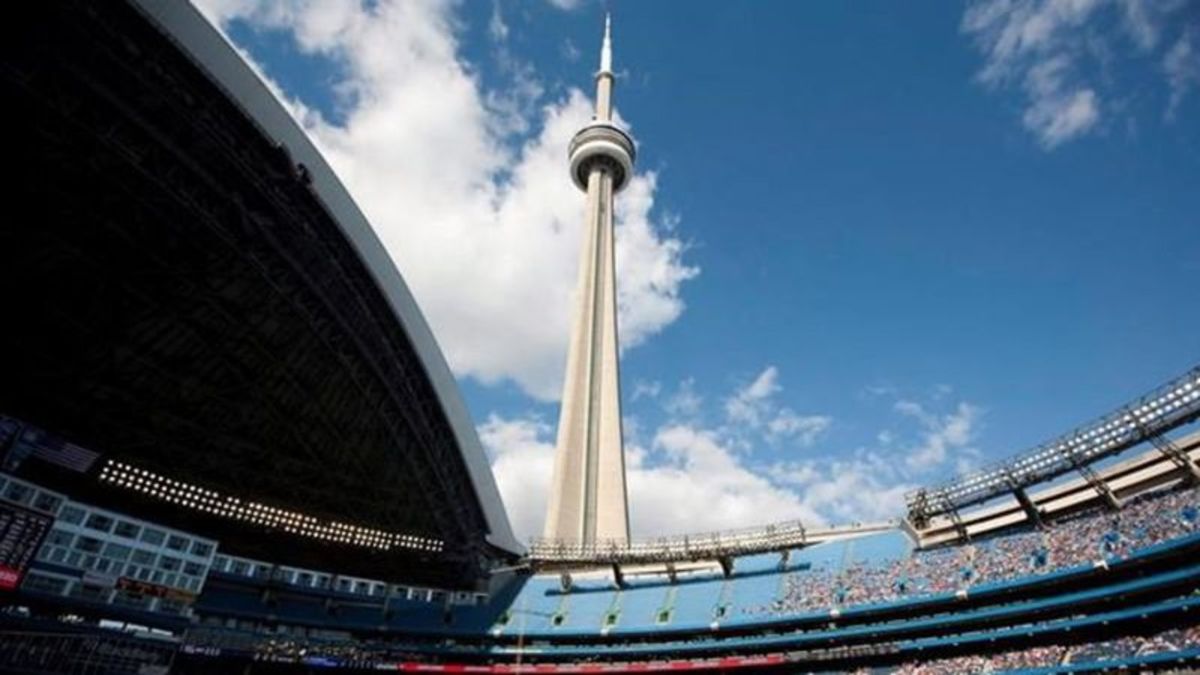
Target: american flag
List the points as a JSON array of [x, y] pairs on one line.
[[57, 451]]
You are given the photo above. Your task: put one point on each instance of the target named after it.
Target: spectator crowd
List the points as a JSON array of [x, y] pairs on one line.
[[1084, 539], [1118, 649]]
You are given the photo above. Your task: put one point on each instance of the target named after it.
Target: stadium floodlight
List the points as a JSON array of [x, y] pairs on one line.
[[1171, 405], [122, 475]]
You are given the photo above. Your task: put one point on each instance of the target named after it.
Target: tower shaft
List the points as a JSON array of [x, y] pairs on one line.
[[588, 501]]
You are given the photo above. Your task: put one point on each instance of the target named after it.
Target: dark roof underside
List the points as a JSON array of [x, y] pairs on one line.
[[175, 296]]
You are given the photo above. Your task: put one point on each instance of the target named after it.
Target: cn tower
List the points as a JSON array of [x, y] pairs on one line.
[[588, 501]]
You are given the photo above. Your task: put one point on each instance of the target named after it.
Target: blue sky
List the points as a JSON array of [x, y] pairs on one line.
[[871, 244]]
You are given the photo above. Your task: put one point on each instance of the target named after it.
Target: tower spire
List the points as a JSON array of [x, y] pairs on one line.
[[588, 502], [604, 76], [606, 46]]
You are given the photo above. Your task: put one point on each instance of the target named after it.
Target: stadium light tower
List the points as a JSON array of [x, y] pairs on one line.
[[588, 501]]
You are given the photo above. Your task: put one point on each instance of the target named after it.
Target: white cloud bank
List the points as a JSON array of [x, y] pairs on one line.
[[477, 211], [689, 475], [1059, 54]]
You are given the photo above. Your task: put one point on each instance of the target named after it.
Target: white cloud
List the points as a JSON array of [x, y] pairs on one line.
[[693, 476], [566, 4], [805, 429], [644, 389], [698, 483], [497, 28], [569, 51], [478, 212], [749, 403], [694, 484], [522, 453], [863, 488], [684, 402], [1058, 52], [1057, 111], [1182, 65], [942, 435], [754, 408]]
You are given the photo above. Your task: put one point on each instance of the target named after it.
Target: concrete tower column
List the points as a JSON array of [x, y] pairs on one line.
[[588, 501]]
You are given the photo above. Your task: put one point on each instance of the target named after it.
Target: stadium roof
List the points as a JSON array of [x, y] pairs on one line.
[[192, 293]]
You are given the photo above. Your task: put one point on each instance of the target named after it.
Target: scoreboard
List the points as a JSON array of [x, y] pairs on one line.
[[21, 534]]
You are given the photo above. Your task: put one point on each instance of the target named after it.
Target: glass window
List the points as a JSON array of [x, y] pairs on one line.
[[98, 522], [169, 564], [201, 549], [194, 569], [143, 557], [117, 551], [177, 543], [71, 514], [59, 538], [102, 564], [153, 536], [58, 554], [241, 568], [47, 502], [127, 529], [45, 584], [89, 544], [73, 558], [18, 492]]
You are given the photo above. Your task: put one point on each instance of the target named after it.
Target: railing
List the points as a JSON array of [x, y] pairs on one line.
[[693, 547], [1172, 405], [65, 653]]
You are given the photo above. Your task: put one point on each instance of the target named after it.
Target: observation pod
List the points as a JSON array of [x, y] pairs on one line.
[[603, 145]]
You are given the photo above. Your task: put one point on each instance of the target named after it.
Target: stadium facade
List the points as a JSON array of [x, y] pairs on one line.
[[229, 443]]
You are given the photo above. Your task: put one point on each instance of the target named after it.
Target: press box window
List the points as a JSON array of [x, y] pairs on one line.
[[47, 502], [60, 538], [99, 522], [71, 514], [88, 544], [117, 551], [18, 492]]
